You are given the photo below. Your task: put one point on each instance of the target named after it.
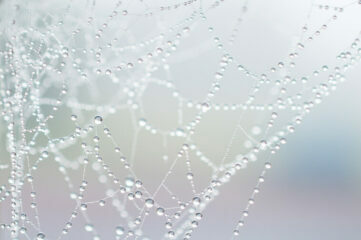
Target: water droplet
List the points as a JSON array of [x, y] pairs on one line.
[[45, 154], [190, 176], [149, 203], [40, 236], [119, 230], [98, 120], [88, 227], [205, 107], [83, 207], [129, 182], [160, 211], [179, 132], [196, 201], [171, 234], [142, 122], [268, 165]]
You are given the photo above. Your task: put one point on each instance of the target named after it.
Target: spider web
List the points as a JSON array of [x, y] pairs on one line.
[[131, 116]]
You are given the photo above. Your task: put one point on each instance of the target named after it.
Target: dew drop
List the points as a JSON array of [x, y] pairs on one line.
[[142, 122], [119, 230], [205, 107], [160, 211], [88, 227], [149, 203], [179, 132], [45, 154], [129, 182], [98, 120], [189, 176], [40, 236], [267, 165], [196, 201]]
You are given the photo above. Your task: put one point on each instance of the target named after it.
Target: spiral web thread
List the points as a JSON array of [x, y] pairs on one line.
[[68, 76]]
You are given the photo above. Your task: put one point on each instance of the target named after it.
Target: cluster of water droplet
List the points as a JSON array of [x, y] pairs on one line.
[[46, 63]]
